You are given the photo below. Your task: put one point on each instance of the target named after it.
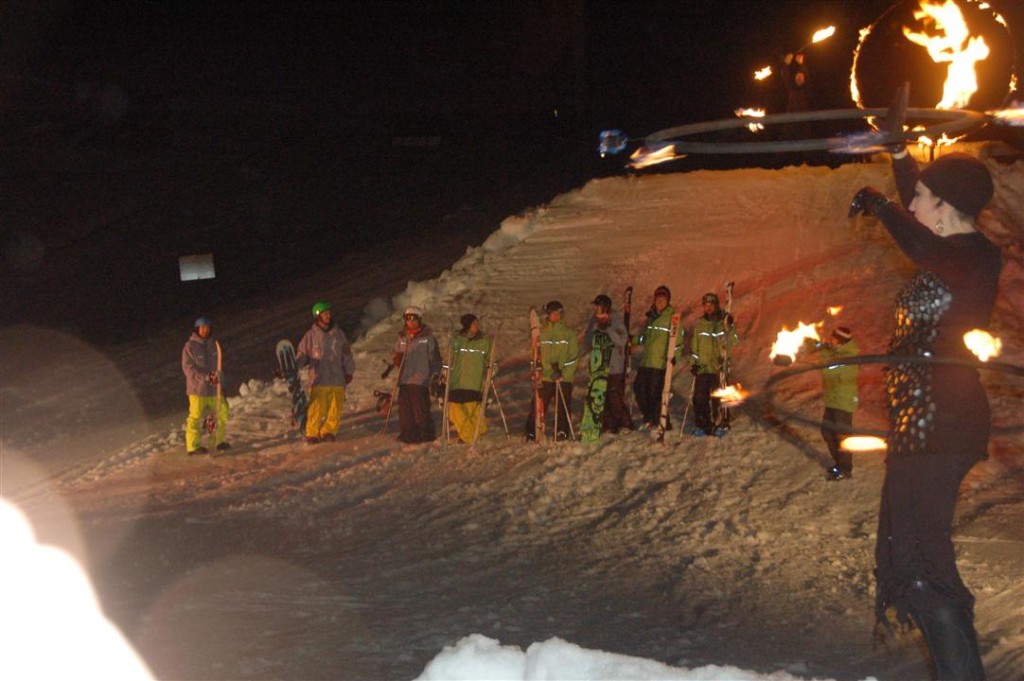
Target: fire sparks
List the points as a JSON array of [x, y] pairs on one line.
[[788, 343], [731, 395], [751, 113], [761, 74], [951, 44], [984, 345], [862, 443], [644, 156]]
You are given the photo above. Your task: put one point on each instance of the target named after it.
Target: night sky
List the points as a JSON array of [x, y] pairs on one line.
[[281, 136]]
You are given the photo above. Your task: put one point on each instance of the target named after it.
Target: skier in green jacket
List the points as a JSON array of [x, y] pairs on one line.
[[839, 385], [559, 353], [713, 334], [471, 354], [650, 373]]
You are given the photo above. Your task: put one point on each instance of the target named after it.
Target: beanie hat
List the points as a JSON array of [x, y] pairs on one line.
[[554, 306], [602, 300], [709, 298], [412, 309], [467, 321], [203, 321], [842, 333], [960, 180], [663, 291]]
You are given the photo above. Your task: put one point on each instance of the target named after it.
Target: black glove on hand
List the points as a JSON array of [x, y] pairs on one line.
[[867, 201], [694, 369]]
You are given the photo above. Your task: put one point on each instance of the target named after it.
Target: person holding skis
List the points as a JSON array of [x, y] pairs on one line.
[[839, 388], [939, 416], [419, 361], [650, 374], [610, 328], [559, 353], [200, 359], [471, 355], [713, 334], [326, 351]]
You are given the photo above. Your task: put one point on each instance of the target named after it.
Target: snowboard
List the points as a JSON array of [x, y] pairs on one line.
[[290, 373], [666, 391], [597, 389]]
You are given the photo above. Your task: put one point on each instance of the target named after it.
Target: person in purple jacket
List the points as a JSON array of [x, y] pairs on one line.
[[326, 351], [939, 415]]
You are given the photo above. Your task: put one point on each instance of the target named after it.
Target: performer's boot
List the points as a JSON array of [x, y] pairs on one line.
[[952, 642]]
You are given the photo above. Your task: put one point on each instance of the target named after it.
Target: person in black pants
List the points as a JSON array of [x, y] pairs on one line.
[[939, 416]]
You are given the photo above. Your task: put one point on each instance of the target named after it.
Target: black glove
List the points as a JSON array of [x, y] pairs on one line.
[[729, 321], [867, 201], [694, 369], [212, 378], [436, 386]]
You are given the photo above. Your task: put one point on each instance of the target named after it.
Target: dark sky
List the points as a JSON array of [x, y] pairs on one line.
[[267, 130]]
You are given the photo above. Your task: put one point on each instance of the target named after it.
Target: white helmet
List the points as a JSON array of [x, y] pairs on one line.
[[412, 309]]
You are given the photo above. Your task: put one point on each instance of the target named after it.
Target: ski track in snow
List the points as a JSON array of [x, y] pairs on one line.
[[280, 559]]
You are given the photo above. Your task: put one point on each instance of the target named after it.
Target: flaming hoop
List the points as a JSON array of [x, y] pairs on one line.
[[796, 370], [951, 122]]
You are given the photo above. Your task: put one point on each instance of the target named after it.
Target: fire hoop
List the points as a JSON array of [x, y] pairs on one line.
[[792, 371], [962, 121]]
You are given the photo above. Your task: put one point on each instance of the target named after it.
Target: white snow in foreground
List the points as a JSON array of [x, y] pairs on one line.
[[702, 559]]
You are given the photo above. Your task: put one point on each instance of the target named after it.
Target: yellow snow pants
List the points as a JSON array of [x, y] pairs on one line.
[[198, 408], [323, 417], [463, 416]]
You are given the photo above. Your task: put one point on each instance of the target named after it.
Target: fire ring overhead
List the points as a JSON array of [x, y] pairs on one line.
[[951, 122]]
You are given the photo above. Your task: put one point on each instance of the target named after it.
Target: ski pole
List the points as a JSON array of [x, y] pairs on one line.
[[497, 401]]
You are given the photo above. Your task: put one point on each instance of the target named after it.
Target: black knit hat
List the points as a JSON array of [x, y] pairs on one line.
[[554, 306], [960, 180], [663, 291], [467, 321]]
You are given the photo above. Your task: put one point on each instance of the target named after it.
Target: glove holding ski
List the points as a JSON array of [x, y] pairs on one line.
[[212, 379], [695, 369], [867, 201], [436, 386]]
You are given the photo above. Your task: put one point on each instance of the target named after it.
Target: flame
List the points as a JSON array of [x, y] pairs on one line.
[[983, 344], [787, 344], [731, 395], [952, 45], [862, 443], [823, 33], [751, 113], [834, 310], [1013, 116], [644, 156], [761, 74]]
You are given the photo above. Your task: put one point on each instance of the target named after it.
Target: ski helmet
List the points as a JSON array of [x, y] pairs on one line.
[[319, 308], [413, 310], [663, 291], [710, 298], [554, 306], [203, 321], [603, 301]]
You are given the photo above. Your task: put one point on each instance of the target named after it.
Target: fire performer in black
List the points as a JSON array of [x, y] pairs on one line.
[[939, 416]]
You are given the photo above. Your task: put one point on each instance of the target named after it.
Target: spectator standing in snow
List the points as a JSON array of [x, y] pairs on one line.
[[199, 359], [559, 353], [713, 334], [326, 351], [417, 354], [471, 355], [939, 416], [839, 393], [650, 374], [616, 413]]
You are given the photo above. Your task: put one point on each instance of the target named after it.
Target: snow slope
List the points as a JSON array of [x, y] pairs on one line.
[[363, 559]]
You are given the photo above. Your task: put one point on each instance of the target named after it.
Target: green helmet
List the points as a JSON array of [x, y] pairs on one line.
[[320, 307]]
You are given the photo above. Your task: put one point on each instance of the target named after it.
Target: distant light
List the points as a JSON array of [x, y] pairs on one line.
[[196, 267]]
